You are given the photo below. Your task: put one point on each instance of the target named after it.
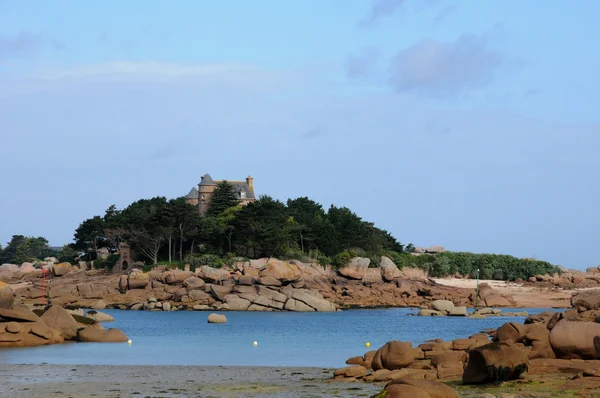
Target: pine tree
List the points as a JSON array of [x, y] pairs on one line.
[[223, 198]]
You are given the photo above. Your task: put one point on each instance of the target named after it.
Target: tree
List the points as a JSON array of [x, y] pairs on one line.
[[22, 249], [306, 215], [89, 236], [185, 219], [223, 198], [146, 229], [225, 223], [260, 227]]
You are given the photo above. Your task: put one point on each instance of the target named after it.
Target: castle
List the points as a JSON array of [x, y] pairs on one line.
[[201, 197]]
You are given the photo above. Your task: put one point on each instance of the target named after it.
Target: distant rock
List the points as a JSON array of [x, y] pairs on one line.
[[281, 271], [356, 269], [62, 269], [217, 318], [389, 270], [92, 335], [99, 316]]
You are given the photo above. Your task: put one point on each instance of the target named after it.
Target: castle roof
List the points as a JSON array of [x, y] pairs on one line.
[[193, 194], [207, 180], [242, 189]]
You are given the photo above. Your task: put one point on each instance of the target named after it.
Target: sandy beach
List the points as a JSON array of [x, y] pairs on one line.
[[525, 296], [79, 381]]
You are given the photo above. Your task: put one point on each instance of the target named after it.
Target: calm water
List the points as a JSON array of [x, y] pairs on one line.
[[284, 339]]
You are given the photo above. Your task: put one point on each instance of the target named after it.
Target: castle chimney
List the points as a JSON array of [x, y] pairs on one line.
[[250, 182]]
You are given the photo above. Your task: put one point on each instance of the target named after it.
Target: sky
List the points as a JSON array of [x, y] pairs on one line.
[[473, 125]]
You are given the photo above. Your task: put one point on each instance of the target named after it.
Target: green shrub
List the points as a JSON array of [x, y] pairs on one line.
[[197, 260], [342, 259], [107, 262], [296, 254]]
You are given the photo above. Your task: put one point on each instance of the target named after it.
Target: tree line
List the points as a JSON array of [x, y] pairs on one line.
[[171, 230], [159, 229]]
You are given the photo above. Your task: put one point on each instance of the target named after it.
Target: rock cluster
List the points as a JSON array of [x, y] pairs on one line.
[[21, 327], [549, 342], [257, 285], [568, 279]]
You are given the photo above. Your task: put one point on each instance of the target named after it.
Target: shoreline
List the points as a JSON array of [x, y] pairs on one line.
[[80, 381]]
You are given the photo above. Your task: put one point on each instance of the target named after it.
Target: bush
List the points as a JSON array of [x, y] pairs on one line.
[[197, 260], [342, 259], [296, 254], [107, 262]]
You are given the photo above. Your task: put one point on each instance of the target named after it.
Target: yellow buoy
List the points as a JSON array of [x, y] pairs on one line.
[[128, 341], [368, 344], [255, 343]]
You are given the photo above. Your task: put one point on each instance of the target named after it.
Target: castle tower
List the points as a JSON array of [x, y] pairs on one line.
[[206, 188]]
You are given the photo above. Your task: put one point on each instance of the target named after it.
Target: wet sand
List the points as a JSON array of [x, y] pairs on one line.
[[78, 381]]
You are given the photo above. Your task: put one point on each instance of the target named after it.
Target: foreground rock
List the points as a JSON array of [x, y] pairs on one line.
[[21, 327], [58, 318], [495, 362], [419, 388], [89, 335]]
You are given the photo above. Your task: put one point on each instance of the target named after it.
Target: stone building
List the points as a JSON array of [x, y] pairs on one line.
[[201, 197]]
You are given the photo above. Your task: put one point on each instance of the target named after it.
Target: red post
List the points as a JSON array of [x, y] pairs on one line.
[[43, 283]]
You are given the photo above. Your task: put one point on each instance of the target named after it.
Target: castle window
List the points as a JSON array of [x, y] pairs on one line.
[[242, 194]]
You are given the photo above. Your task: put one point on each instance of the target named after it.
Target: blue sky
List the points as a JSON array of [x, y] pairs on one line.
[[467, 124]]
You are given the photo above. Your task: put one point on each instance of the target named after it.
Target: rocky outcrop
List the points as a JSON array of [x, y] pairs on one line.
[[21, 327], [257, 285]]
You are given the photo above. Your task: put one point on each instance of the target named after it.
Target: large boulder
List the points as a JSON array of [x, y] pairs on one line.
[[194, 283], [237, 303], [58, 318], [18, 314], [93, 335], [176, 276], [356, 371], [6, 295], [99, 316], [356, 269], [586, 299], [495, 362], [212, 275], [434, 389], [319, 304], [511, 331], [393, 355], [442, 305], [389, 270], [27, 268], [281, 271], [574, 340], [138, 280], [403, 391], [61, 269]]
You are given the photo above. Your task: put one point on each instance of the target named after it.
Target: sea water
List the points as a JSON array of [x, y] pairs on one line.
[[283, 338]]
